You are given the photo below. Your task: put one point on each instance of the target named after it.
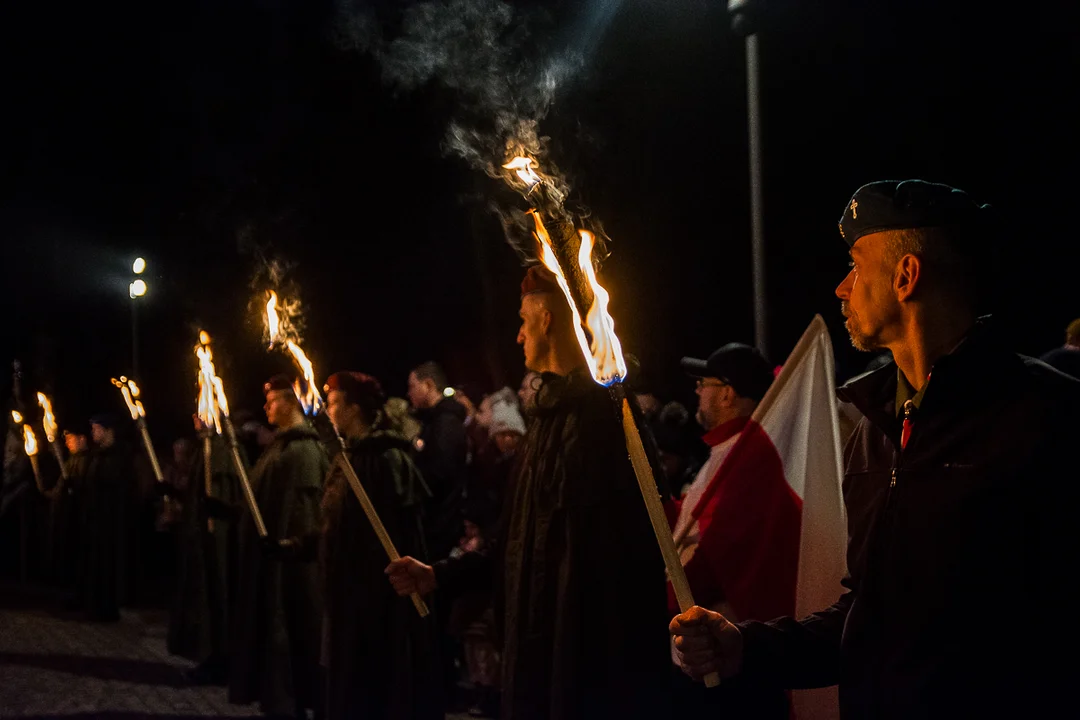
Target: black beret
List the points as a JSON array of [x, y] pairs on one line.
[[904, 205], [363, 390], [740, 366], [281, 381], [105, 420]]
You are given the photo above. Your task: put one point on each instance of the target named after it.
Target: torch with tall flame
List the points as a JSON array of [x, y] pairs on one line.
[[31, 447], [50, 426], [309, 397], [576, 275], [214, 413], [312, 403], [130, 391]]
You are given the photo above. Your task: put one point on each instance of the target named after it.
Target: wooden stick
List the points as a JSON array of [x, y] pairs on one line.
[[149, 447], [208, 473], [376, 523], [37, 474], [241, 472], [658, 518]]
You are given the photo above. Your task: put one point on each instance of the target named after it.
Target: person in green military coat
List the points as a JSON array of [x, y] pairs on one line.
[[206, 547], [380, 655], [277, 613]]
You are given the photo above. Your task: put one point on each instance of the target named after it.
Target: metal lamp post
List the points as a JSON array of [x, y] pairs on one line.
[[136, 289]]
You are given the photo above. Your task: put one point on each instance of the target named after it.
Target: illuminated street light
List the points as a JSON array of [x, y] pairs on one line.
[[138, 266], [137, 289]]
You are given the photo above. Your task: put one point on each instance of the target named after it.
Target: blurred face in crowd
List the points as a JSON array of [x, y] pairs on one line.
[[343, 414], [422, 392], [533, 336], [714, 400], [507, 441], [281, 408], [103, 436], [868, 300], [71, 442]]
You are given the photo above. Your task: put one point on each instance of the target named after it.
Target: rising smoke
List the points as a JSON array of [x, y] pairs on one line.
[[504, 68]]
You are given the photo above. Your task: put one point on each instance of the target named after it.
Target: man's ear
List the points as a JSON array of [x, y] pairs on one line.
[[906, 279], [546, 320]]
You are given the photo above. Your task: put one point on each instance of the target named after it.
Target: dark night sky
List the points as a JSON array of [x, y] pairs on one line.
[[173, 130]]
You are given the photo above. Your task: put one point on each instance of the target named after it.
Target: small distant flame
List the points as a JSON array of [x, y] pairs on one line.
[[604, 354], [309, 397], [49, 420], [208, 410], [130, 391], [16, 416], [30, 443], [523, 167]]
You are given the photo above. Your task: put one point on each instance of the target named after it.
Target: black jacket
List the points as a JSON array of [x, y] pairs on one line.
[[961, 549], [441, 457]]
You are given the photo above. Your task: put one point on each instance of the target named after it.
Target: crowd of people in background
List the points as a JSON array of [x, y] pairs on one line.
[[507, 515]]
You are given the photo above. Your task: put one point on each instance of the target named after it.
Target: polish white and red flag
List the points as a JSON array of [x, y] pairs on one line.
[[771, 522]]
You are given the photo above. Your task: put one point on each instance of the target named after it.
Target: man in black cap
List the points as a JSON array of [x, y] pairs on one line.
[[277, 616], [960, 487], [575, 537], [737, 527], [109, 479], [380, 655]]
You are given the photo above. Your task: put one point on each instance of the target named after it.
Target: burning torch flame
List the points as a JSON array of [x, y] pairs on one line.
[[604, 354], [130, 391], [16, 416], [49, 420], [30, 444], [309, 398], [209, 412], [523, 167]]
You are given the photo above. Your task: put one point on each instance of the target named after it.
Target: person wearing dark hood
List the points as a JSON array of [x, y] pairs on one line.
[[380, 656], [109, 478], [66, 497], [441, 450], [575, 537], [277, 613], [960, 488], [206, 563]]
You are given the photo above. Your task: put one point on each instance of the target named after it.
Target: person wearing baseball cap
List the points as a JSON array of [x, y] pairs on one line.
[[960, 485]]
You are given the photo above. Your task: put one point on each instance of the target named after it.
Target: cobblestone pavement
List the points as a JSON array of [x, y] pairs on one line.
[[53, 667]]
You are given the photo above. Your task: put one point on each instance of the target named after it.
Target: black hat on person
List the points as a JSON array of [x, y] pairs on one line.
[[740, 366], [907, 205], [106, 420]]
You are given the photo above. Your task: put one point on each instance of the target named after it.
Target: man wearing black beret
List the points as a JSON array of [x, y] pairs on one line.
[[960, 486], [277, 616]]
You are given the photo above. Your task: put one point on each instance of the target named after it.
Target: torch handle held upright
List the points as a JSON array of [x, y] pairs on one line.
[[376, 523], [241, 472], [59, 461], [149, 447], [208, 472], [37, 474], [658, 518]]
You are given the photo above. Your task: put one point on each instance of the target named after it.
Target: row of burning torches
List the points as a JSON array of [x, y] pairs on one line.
[[596, 335]]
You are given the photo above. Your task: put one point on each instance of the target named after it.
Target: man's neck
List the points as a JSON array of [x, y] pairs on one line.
[[561, 361], [294, 421], [357, 430], [927, 337]]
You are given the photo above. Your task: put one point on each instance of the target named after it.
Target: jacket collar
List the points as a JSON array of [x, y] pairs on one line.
[[975, 365], [725, 431]]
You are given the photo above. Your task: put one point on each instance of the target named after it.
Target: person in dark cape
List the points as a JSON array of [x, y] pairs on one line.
[[575, 536], [109, 477], [64, 498], [277, 613], [206, 547], [380, 656]]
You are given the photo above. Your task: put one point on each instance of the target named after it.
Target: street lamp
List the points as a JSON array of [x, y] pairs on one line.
[[745, 16], [136, 289]]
